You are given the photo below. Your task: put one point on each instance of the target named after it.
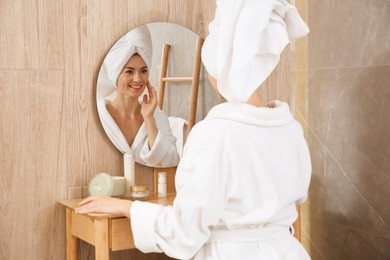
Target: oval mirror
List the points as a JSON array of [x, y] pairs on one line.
[[175, 102]]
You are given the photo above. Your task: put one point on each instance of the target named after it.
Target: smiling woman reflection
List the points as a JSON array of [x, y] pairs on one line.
[[131, 118]]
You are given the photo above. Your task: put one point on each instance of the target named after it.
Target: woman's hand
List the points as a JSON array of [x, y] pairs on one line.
[[147, 111], [105, 205], [149, 104]]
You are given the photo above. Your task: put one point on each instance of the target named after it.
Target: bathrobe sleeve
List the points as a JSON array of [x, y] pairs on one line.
[[164, 152], [182, 229]]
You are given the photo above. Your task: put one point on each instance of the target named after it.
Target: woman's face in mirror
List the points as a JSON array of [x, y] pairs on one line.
[[133, 78]]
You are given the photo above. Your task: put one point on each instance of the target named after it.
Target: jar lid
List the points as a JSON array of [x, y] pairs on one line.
[[139, 187], [101, 184]]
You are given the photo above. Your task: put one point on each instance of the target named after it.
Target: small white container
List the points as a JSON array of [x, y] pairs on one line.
[[104, 184], [162, 185]]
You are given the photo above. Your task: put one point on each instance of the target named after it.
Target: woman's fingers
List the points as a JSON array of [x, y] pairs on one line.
[[89, 205], [151, 90], [149, 103], [87, 200], [152, 94], [105, 205], [85, 209], [145, 99]]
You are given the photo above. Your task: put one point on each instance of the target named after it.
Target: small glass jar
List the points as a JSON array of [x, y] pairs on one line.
[[140, 192]]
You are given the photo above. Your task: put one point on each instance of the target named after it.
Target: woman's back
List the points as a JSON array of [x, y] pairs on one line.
[[248, 167]]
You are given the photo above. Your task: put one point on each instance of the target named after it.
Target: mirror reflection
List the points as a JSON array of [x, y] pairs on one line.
[[127, 98]]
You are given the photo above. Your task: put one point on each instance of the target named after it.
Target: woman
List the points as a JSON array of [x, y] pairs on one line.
[[246, 165], [131, 119]]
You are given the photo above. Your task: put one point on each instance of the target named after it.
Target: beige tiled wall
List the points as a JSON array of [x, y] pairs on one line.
[[345, 79]]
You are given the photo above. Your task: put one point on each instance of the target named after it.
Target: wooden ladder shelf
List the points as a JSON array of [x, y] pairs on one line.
[[194, 79]]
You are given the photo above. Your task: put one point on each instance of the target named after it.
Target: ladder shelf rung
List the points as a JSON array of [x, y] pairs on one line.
[[177, 79]]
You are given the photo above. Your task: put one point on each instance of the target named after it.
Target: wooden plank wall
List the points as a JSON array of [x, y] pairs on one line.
[[52, 142]]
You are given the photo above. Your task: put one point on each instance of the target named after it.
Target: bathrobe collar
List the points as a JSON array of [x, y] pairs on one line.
[[278, 115], [115, 134]]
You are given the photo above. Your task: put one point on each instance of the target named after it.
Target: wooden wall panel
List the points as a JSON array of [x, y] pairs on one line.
[[91, 27], [194, 15], [31, 34], [33, 165]]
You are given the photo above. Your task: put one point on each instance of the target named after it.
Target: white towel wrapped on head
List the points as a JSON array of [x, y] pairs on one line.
[[137, 41], [245, 41]]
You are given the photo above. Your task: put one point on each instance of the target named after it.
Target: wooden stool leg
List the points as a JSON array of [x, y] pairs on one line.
[[102, 251], [72, 242]]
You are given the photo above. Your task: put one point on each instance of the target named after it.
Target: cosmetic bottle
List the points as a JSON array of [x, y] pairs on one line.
[[162, 185], [129, 172]]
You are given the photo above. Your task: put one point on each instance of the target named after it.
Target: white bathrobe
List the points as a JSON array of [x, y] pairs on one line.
[[242, 172], [162, 154]]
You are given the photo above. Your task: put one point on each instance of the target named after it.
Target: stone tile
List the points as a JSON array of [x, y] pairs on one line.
[[337, 242], [335, 198], [311, 249], [340, 99], [348, 33], [350, 143]]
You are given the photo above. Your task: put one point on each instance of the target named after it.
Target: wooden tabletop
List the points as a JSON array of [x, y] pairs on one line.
[[74, 203]]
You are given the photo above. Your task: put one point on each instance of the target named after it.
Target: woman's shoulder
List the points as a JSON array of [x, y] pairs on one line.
[[209, 130]]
